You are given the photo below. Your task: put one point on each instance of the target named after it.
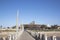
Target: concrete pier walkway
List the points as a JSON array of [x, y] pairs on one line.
[[25, 36]]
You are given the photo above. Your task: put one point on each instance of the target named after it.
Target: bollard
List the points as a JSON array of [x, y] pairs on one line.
[[44, 37], [40, 36], [9, 37], [4, 38], [54, 37]]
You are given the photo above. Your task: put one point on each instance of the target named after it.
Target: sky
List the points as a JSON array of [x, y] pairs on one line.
[[40, 11]]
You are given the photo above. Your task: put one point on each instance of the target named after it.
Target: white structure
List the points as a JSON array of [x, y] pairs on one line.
[[17, 21], [45, 37], [54, 37], [49, 25], [22, 28], [9, 37], [40, 36], [4, 38], [18, 32]]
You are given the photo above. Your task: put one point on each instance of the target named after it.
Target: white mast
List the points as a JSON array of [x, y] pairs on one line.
[[17, 21]]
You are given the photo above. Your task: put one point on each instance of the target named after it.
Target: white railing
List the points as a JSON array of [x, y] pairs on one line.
[[16, 35]]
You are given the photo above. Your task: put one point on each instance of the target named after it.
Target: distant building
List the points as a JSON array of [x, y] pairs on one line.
[[32, 26], [58, 27]]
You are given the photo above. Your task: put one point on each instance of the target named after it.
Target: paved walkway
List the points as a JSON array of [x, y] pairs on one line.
[[25, 36]]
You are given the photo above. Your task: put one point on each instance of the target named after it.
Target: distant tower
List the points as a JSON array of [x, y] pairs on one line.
[[17, 21]]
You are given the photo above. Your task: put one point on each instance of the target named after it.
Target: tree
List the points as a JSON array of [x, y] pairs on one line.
[[43, 26], [54, 26]]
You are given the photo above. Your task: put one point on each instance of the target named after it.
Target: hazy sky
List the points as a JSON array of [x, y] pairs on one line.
[[40, 11]]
